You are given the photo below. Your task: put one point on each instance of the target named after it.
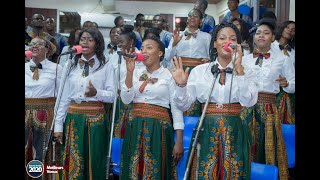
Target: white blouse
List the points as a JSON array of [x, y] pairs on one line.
[[292, 53], [159, 93], [49, 80], [76, 85], [114, 59], [200, 81], [193, 48], [277, 64]]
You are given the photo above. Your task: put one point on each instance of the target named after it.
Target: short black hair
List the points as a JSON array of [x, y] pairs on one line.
[[117, 19], [271, 23], [269, 14], [160, 44], [204, 2], [139, 15], [152, 30], [128, 31]]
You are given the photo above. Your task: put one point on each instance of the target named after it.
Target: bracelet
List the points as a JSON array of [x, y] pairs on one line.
[[181, 85]]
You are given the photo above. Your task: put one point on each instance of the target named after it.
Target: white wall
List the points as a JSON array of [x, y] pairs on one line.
[[292, 12]]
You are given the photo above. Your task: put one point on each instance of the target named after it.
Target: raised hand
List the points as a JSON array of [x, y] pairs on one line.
[[176, 37], [130, 64], [282, 81], [179, 75], [91, 90]]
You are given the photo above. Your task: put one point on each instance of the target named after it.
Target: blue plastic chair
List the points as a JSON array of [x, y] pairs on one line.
[[189, 124], [263, 171], [288, 131], [116, 154], [244, 9]]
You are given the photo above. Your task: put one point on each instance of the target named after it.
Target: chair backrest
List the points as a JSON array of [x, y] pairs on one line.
[[181, 166], [116, 154], [263, 171], [189, 124], [288, 131], [244, 9]]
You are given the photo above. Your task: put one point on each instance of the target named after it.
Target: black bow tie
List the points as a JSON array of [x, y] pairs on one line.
[[287, 47], [38, 66], [112, 47], [189, 34], [215, 69]]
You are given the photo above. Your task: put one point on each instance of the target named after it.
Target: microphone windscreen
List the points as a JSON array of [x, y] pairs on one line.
[[140, 57], [78, 49], [226, 46], [28, 54]]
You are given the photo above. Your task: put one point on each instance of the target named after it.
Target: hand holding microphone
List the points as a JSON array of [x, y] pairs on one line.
[[74, 50], [228, 46], [136, 56]]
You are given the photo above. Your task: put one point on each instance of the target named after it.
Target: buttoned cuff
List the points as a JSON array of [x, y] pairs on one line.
[[178, 125], [58, 128], [180, 91], [98, 96]]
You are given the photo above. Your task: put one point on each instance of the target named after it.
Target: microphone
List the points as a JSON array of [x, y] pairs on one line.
[[227, 45], [74, 50], [214, 69], [27, 54], [139, 57]]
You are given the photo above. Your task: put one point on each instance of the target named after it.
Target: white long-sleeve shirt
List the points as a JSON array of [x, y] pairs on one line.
[[193, 48], [159, 93], [199, 84], [292, 53], [277, 64], [114, 59], [48, 81], [76, 85]]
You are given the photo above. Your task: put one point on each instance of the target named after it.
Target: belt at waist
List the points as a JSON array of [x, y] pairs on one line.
[[150, 111], [40, 103], [91, 107], [266, 98], [186, 61], [223, 109]]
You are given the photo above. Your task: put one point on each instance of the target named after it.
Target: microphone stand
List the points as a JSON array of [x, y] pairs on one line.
[[57, 103], [117, 87], [194, 144]]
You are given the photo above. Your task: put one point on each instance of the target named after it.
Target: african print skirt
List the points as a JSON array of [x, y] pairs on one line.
[[148, 144], [121, 118], [286, 106], [38, 121], [85, 142], [224, 145], [268, 145]]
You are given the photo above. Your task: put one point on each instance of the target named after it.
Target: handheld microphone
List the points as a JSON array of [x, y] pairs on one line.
[[74, 50], [139, 57], [227, 45], [214, 69], [27, 54]]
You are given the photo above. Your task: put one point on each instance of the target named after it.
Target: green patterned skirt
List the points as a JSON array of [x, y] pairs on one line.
[[224, 145], [121, 118], [85, 142], [267, 140], [286, 106], [148, 144]]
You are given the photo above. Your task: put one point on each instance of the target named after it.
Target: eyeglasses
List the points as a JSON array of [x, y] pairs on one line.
[[31, 44], [193, 15]]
